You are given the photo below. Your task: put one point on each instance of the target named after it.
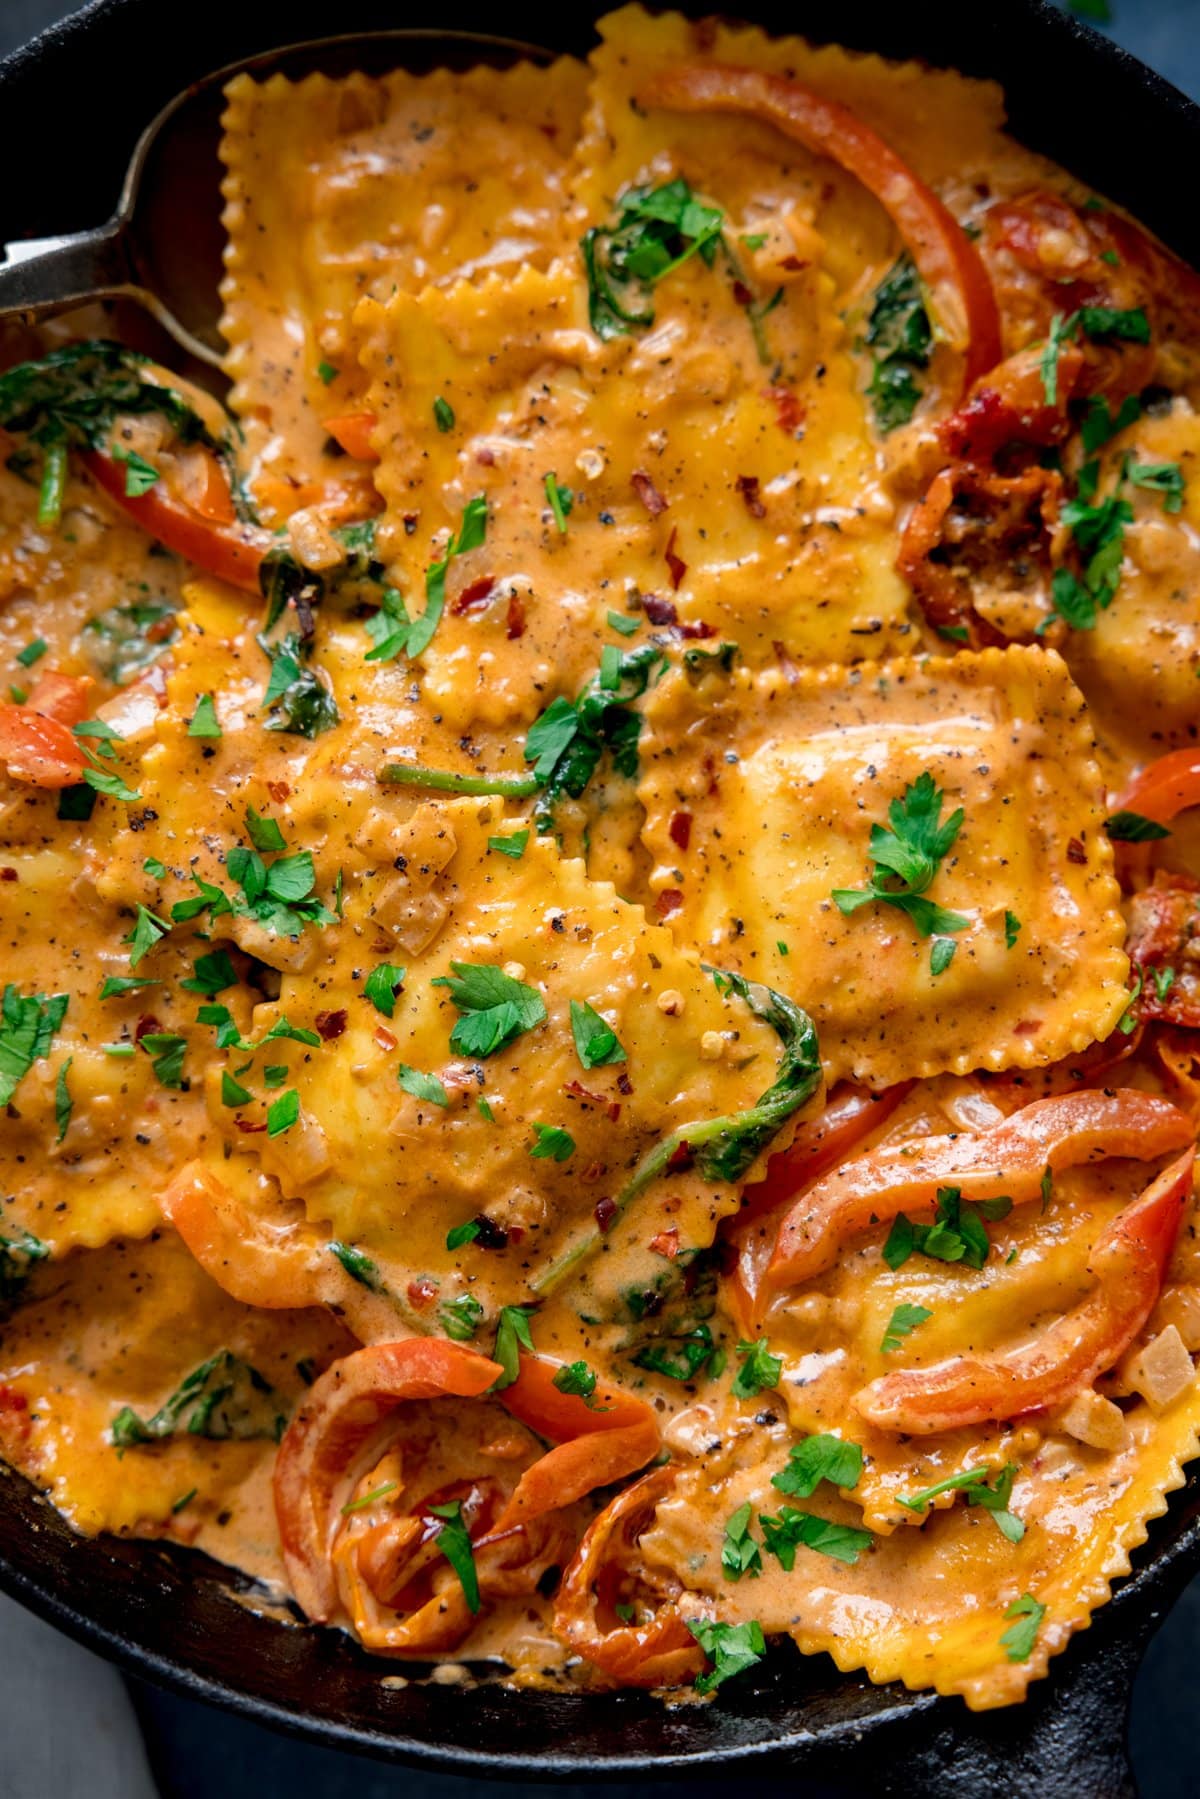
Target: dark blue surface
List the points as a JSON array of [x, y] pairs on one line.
[[197, 1753]]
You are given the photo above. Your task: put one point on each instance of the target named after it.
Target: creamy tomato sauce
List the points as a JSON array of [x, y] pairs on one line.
[[598, 880]]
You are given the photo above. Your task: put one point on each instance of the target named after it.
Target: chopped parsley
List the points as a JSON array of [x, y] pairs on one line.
[[443, 414], [358, 1265], [786, 1532], [654, 232], [462, 1234], [740, 1554], [232, 1092], [367, 1499], [33, 652], [282, 1113], [957, 1235], [577, 1379], [552, 1141], [1018, 1640], [1012, 929], [264, 833], [731, 1648], [901, 339], [512, 846], [819, 1457], [567, 742], [596, 1042], [297, 696], [903, 1320], [326, 372], [62, 1100], [422, 1086], [512, 1335], [167, 1051], [973, 1484], [461, 1317], [694, 1350], [18, 1254], [393, 632], [1165, 478], [140, 475], [759, 1370], [941, 955], [623, 624], [117, 985], [910, 852], [28, 1024], [561, 501], [1102, 324], [204, 720], [211, 974], [383, 986], [1133, 827], [224, 1397], [454, 1542], [495, 1009]]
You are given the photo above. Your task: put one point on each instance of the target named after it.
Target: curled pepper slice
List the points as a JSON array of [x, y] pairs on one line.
[[596, 1444], [1010, 1159], [1128, 1263], [39, 749], [948, 262], [345, 1406], [1166, 786], [220, 546], [655, 1648]]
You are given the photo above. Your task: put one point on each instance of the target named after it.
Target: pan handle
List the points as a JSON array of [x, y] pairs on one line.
[[44, 275], [47, 274]]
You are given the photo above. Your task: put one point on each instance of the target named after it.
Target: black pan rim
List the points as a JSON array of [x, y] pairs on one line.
[[1172, 1551]]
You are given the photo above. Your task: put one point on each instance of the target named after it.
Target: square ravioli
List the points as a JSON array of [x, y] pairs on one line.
[[699, 492], [339, 188], [761, 792]]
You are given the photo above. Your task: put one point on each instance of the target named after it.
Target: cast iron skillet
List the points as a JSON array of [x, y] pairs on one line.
[[71, 106]]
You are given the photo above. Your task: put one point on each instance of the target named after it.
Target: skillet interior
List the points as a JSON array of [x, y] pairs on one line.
[[171, 1615]]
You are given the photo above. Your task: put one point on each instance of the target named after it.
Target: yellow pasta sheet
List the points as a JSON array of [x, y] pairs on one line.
[[393, 1171], [339, 188], [780, 779]]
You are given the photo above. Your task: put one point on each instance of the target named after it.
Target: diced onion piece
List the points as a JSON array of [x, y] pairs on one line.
[[1161, 1371], [1096, 1421]]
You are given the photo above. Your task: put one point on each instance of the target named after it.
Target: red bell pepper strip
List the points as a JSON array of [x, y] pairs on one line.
[[1128, 1263], [38, 749], [68, 698], [1010, 1159], [345, 1405], [949, 264], [1165, 787], [230, 551], [597, 1444], [659, 1651], [352, 430], [850, 1112]]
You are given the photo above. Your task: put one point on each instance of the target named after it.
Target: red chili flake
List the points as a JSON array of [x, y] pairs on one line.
[[792, 263], [161, 629], [514, 618], [624, 1084], [384, 1038], [659, 612], [1075, 851], [474, 595], [747, 486], [279, 791], [681, 1157], [647, 493], [666, 1243], [8, 874], [247, 1125], [676, 564], [147, 1026], [577, 1090], [697, 629], [742, 294], [594, 1171], [1027, 1027], [484, 457], [669, 900], [516, 1233], [605, 1214], [422, 1292], [679, 830], [789, 407], [12, 1400], [330, 1024]]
